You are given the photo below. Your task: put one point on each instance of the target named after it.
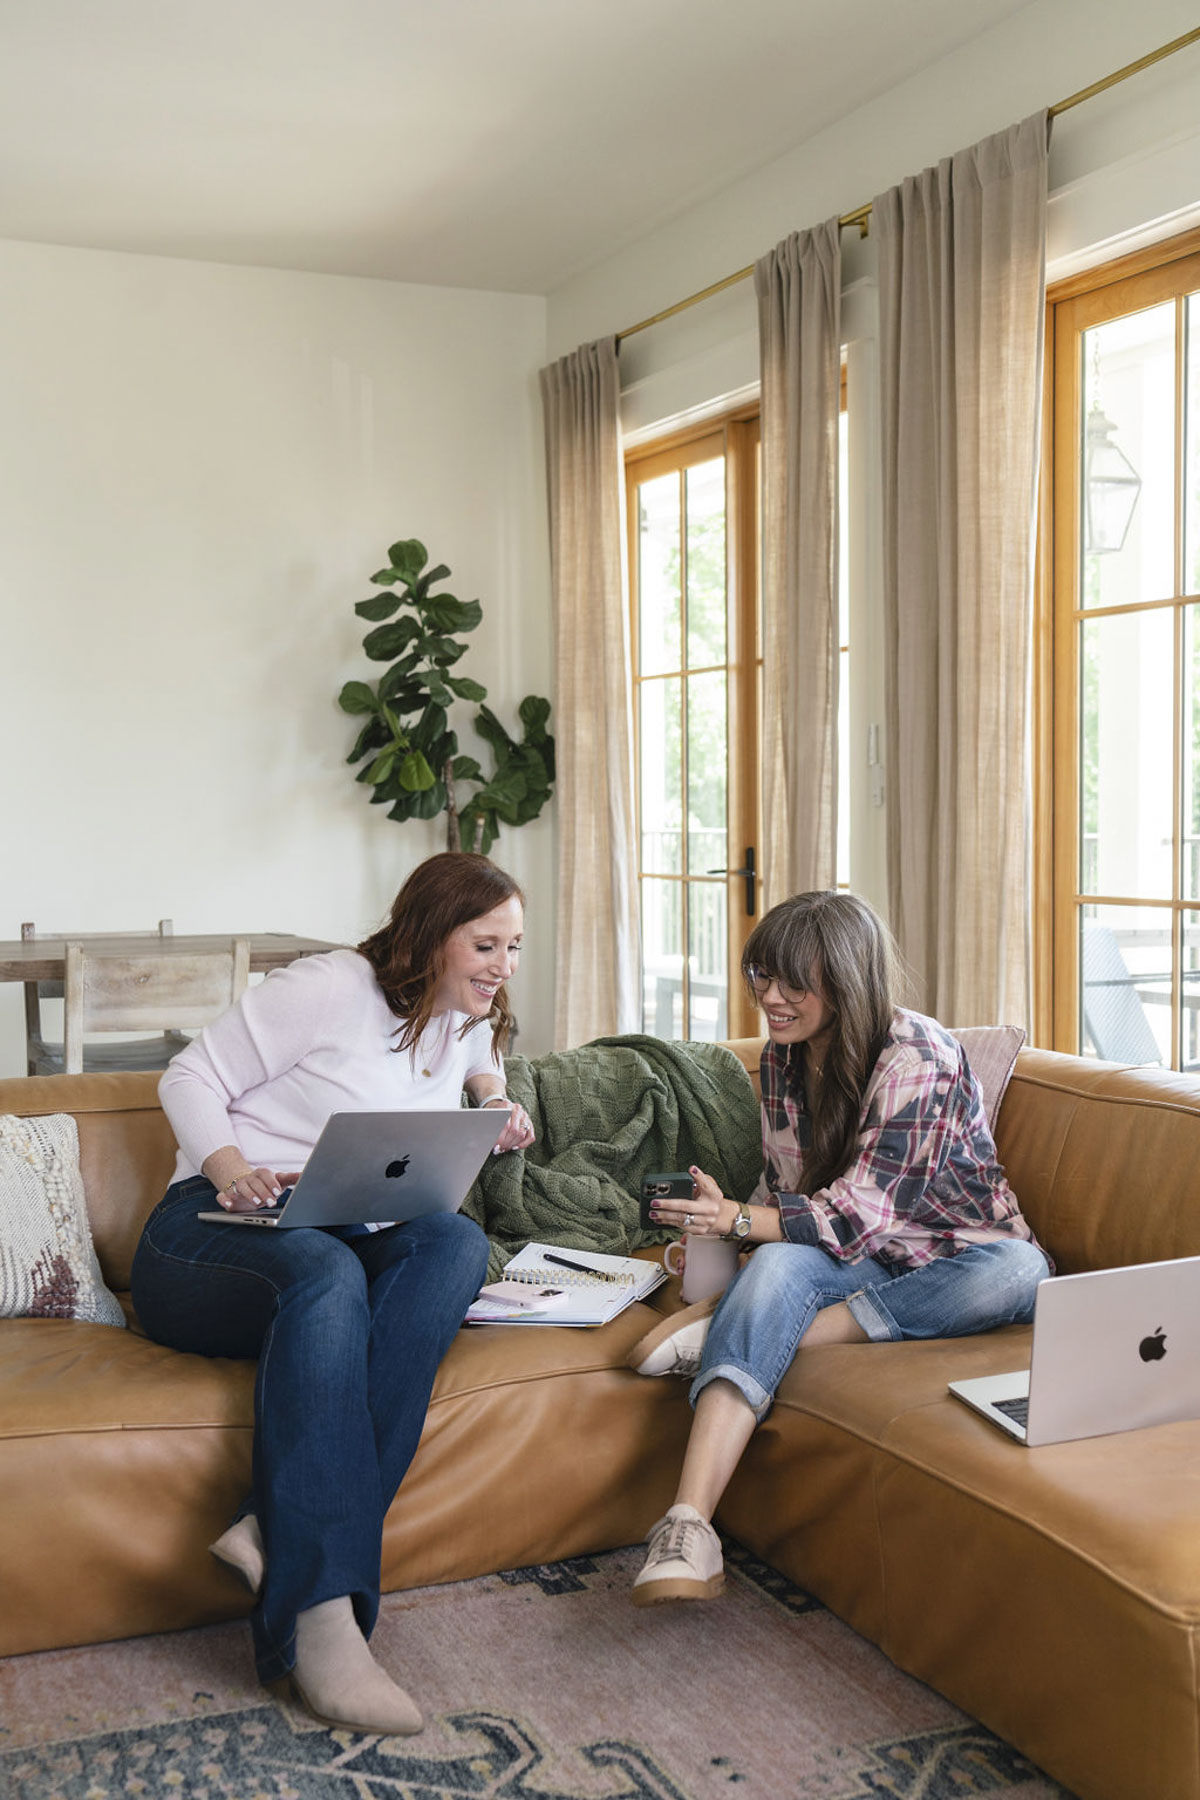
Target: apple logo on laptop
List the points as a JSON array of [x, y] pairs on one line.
[[395, 1169], [1154, 1347]]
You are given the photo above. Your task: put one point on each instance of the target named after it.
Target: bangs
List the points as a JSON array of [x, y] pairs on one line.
[[788, 948]]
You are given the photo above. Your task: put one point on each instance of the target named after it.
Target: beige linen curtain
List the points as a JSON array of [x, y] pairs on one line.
[[962, 293], [597, 965], [799, 299]]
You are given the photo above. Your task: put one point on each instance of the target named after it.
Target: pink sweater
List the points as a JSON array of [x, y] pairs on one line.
[[312, 1039]]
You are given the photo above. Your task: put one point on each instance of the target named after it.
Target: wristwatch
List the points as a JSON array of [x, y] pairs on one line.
[[741, 1225]]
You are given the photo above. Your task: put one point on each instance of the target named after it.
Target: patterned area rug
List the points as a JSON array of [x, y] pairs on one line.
[[539, 1684]]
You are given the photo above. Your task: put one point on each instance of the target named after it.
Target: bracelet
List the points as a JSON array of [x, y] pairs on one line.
[[492, 1098]]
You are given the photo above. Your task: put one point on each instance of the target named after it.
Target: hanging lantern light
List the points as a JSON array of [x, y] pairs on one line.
[[1111, 486]]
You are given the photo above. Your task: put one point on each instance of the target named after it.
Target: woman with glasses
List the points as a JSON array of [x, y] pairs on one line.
[[881, 1214]]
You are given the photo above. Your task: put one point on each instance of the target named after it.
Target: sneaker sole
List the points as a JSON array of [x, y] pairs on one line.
[[677, 1587], [703, 1309]]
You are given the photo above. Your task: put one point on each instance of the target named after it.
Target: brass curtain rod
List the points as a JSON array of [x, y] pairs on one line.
[[862, 214]]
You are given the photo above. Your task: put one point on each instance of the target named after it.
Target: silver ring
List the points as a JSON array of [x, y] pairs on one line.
[[687, 1218]]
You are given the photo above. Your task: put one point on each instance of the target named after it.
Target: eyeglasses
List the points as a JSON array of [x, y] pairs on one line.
[[759, 980]]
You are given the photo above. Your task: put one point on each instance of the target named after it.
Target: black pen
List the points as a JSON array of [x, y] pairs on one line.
[[564, 1262]]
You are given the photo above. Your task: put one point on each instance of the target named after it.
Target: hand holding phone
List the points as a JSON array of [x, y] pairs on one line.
[[674, 1184]]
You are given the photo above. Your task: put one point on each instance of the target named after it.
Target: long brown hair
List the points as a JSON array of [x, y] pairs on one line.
[[834, 944], [408, 954]]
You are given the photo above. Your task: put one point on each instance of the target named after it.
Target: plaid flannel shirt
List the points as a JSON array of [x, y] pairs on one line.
[[924, 1181]]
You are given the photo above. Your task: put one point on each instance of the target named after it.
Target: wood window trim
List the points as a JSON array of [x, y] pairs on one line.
[[1075, 305], [733, 435]]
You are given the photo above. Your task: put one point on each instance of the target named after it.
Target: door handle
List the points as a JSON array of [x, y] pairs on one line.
[[747, 871]]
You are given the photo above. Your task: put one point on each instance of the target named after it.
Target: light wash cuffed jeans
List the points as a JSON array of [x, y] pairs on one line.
[[771, 1302], [348, 1332]]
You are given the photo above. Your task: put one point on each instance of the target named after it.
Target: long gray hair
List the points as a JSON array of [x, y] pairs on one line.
[[834, 944]]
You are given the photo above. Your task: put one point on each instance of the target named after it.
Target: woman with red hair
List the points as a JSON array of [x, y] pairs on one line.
[[348, 1324]]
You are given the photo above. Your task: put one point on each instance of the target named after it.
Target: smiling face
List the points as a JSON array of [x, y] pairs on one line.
[[477, 958], [793, 1015]]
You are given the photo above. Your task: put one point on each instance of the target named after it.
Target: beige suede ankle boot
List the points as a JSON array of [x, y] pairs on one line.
[[241, 1549], [338, 1680]]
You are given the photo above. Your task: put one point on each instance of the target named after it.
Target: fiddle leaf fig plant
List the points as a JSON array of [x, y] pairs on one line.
[[407, 745]]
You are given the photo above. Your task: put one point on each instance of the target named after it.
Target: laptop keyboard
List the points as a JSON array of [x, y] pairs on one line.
[[1016, 1410]]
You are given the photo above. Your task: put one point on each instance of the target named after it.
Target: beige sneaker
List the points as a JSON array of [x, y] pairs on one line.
[[674, 1345], [684, 1562]]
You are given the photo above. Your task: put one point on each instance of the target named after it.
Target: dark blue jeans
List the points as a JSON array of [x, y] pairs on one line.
[[348, 1332]]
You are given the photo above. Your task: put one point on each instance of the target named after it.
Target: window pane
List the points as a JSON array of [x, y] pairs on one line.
[[661, 744], [662, 958], [706, 564], [1127, 459], [1125, 754], [1191, 563], [1125, 981], [1190, 846], [707, 765], [659, 605], [842, 873], [1191, 990], [708, 1010]]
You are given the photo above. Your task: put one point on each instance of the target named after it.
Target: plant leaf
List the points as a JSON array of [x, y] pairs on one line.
[[393, 724], [399, 689], [357, 697], [533, 713], [373, 736], [426, 804], [466, 769], [449, 614], [465, 688], [444, 650], [387, 641], [488, 726], [408, 556], [379, 606], [422, 587], [415, 773], [381, 768]]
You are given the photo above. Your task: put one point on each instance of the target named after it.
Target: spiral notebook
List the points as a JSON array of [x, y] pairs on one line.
[[568, 1287]]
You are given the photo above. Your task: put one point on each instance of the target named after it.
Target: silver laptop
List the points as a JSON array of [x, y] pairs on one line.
[[384, 1168], [1113, 1349]]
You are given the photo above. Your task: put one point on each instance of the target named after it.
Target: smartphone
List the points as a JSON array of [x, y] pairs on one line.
[[675, 1184]]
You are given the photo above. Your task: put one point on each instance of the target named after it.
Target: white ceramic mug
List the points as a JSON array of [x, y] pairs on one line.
[[709, 1265]]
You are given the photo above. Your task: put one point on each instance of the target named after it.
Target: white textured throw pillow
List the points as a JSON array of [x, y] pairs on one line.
[[992, 1053], [48, 1266]]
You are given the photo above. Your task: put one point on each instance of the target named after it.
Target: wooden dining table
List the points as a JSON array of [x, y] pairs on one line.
[[44, 959]]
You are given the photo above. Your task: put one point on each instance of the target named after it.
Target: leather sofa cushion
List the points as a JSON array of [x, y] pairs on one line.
[[1077, 1138]]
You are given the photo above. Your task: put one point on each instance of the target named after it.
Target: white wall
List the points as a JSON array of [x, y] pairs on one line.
[[200, 466], [1124, 169]]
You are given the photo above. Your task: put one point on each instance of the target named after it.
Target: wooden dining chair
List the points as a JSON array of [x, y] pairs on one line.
[[46, 1058], [152, 990]]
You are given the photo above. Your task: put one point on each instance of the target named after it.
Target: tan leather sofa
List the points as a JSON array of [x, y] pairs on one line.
[[1054, 1594]]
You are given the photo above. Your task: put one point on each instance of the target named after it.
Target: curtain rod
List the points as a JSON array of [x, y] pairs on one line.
[[861, 215]]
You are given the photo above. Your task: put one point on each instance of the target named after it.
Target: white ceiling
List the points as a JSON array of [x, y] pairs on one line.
[[503, 144]]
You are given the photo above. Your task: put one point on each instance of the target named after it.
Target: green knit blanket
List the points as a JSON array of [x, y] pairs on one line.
[[607, 1114]]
